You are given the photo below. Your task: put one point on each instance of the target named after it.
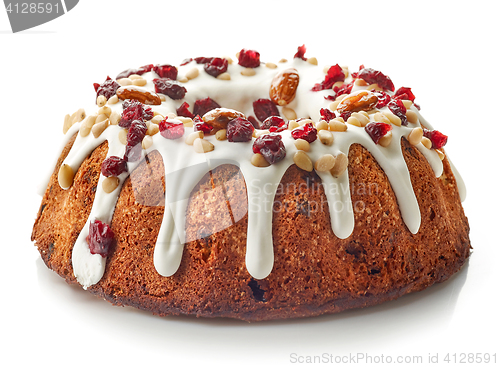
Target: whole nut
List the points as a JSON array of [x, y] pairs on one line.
[[284, 86], [219, 117], [359, 101], [139, 94]]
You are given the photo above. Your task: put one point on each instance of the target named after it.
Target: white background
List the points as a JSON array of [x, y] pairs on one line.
[[447, 52]]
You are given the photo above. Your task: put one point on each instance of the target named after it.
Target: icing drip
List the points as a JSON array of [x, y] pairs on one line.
[[184, 169]]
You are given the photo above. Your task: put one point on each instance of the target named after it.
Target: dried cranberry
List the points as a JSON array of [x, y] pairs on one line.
[[166, 71], [344, 89], [334, 74], [307, 132], [184, 111], [106, 89], [437, 138], [404, 93], [398, 108], [134, 110], [136, 133], [301, 51], [113, 166], [216, 66], [383, 98], [274, 124], [271, 147], [377, 130], [372, 76], [140, 71], [239, 130], [100, 238], [249, 58], [200, 125], [263, 108], [327, 114], [202, 106], [254, 121], [171, 130], [169, 87], [202, 60], [345, 115]]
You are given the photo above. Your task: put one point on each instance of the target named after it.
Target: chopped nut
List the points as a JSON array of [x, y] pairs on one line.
[[337, 125], [101, 100], [202, 146], [353, 121], [122, 136], [114, 118], [284, 86], [105, 110], [386, 139], [325, 163], [138, 93], [302, 144], [289, 113], [340, 166], [141, 82], [271, 65], [415, 136], [218, 118], [322, 125], [224, 76], [78, 116], [426, 142], [258, 160], [87, 124], [395, 120], [312, 61], [113, 100], [358, 101], [411, 116], [194, 135], [221, 134], [109, 184], [147, 141], [325, 137], [65, 176], [67, 123], [248, 72], [302, 160], [192, 73], [99, 127], [124, 81]]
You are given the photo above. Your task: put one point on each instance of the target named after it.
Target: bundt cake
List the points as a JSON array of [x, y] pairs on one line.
[[252, 190]]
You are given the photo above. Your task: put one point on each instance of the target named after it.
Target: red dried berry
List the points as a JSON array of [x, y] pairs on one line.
[[377, 130], [106, 89], [136, 133], [263, 108], [344, 89], [404, 93], [170, 129], [202, 106], [183, 110], [140, 71], [383, 98], [134, 110], [335, 74], [307, 132], [271, 147], [113, 166], [249, 58], [437, 138], [398, 108], [100, 238], [274, 124], [301, 51], [200, 125], [327, 114], [372, 76], [166, 71], [169, 87], [216, 66], [239, 130], [202, 60]]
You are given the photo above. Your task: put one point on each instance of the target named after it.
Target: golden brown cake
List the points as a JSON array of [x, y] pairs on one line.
[[251, 190]]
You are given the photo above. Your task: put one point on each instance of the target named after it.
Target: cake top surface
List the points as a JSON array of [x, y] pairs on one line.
[[262, 117]]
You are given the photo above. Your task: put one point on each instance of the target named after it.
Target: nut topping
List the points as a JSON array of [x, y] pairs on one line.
[[219, 117], [139, 94], [359, 101], [284, 87]]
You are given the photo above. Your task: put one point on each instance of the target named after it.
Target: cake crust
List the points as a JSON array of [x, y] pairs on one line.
[[314, 271]]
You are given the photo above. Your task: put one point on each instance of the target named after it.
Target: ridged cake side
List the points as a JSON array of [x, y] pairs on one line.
[[314, 271]]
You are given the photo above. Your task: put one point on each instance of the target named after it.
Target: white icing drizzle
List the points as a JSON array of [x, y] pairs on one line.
[[184, 168]]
